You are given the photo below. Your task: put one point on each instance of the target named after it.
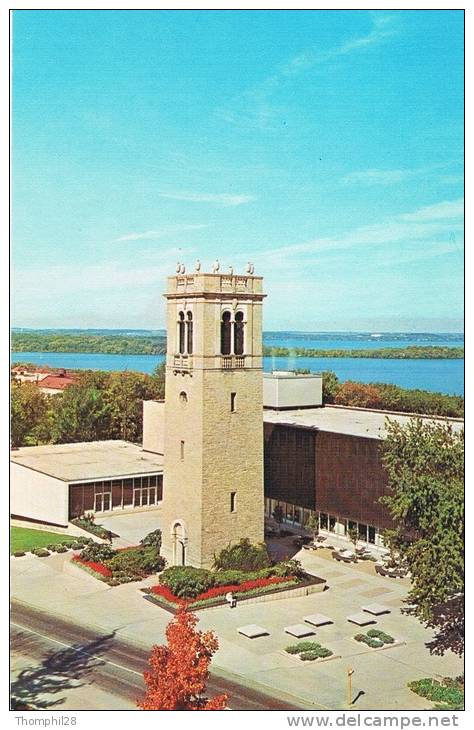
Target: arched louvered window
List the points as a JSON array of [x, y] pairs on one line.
[[181, 332], [189, 333], [226, 333], [239, 334]]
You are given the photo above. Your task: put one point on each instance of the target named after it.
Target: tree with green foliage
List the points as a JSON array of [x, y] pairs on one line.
[[330, 386], [31, 420], [312, 525], [353, 535], [425, 467], [277, 515], [81, 414]]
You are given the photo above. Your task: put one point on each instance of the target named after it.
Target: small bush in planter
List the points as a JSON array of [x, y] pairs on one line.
[[41, 552], [320, 653], [373, 643], [153, 539], [302, 646], [19, 554], [97, 553], [381, 635], [186, 581], [242, 556]]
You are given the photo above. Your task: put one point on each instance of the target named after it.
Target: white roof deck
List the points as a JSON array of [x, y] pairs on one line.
[[88, 461], [347, 421]]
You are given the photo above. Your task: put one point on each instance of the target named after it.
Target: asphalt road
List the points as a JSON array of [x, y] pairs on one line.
[[67, 650]]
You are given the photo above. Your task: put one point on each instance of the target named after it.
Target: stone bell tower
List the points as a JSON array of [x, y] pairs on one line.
[[213, 447]]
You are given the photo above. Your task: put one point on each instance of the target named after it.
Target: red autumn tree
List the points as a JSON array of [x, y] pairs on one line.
[[358, 394], [179, 671]]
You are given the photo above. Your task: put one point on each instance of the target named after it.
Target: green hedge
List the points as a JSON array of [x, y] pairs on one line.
[[186, 581], [138, 561], [450, 694], [381, 635], [364, 639]]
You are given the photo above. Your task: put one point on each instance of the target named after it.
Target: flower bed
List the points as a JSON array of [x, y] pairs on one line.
[[123, 565], [97, 569], [162, 595]]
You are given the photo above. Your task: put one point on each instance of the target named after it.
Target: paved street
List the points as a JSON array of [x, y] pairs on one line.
[[380, 676], [57, 664]]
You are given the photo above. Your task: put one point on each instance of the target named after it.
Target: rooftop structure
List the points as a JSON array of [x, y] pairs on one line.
[[286, 389], [88, 461], [347, 421]]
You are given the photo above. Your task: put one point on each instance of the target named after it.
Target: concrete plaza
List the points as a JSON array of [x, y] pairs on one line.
[[380, 676]]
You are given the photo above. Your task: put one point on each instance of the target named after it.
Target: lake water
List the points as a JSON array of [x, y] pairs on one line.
[[443, 376]]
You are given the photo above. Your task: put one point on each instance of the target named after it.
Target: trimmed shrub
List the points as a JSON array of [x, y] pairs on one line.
[[138, 561], [41, 552], [186, 581], [19, 554], [303, 646], [373, 643], [77, 546], [286, 568], [381, 635], [319, 653], [242, 556], [97, 553], [231, 577], [153, 539], [61, 549], [451, 697]]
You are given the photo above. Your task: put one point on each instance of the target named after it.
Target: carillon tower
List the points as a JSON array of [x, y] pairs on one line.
[[213, 448]]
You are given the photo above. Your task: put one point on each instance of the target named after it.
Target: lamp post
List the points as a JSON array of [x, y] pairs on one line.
[[350, 672]]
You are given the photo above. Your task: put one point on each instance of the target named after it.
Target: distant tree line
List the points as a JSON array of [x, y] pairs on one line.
[[105, 344], [389, 397], [101, 405], [156, 345], [413, 352]]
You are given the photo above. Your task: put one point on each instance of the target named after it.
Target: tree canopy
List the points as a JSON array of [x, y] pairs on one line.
[[179, 671], [425, 467]]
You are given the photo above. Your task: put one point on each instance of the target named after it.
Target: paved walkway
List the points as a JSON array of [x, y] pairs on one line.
[[380, 677]]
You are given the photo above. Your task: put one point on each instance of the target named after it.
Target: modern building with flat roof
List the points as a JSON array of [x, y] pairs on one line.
[[327, 462], [56, 483]]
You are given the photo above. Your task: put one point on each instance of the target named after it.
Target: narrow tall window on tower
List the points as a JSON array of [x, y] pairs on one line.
[[233, 501], [181, 333], [189, 333], [226, 330], [182, 450], [232, 402], [239, 334]]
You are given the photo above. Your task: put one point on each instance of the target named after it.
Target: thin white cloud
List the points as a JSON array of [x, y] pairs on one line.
[[377, 177], [255, 107], [160, 233], [226, 200], [446, 209], [442, 221]]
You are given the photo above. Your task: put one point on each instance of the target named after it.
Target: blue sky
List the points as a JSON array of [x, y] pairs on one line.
[[324, 146]]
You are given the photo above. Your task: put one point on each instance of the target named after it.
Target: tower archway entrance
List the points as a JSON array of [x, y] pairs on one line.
[[180, 542]]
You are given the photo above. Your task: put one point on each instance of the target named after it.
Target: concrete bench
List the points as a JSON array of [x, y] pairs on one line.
[[376, 609], [252, 631], [318, 619], [299, 630], [361, 619]]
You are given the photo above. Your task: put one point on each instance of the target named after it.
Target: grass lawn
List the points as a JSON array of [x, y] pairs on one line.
[[21, 538]]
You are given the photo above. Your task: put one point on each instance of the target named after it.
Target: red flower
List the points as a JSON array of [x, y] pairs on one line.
[[96, 567], [248, 585]]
